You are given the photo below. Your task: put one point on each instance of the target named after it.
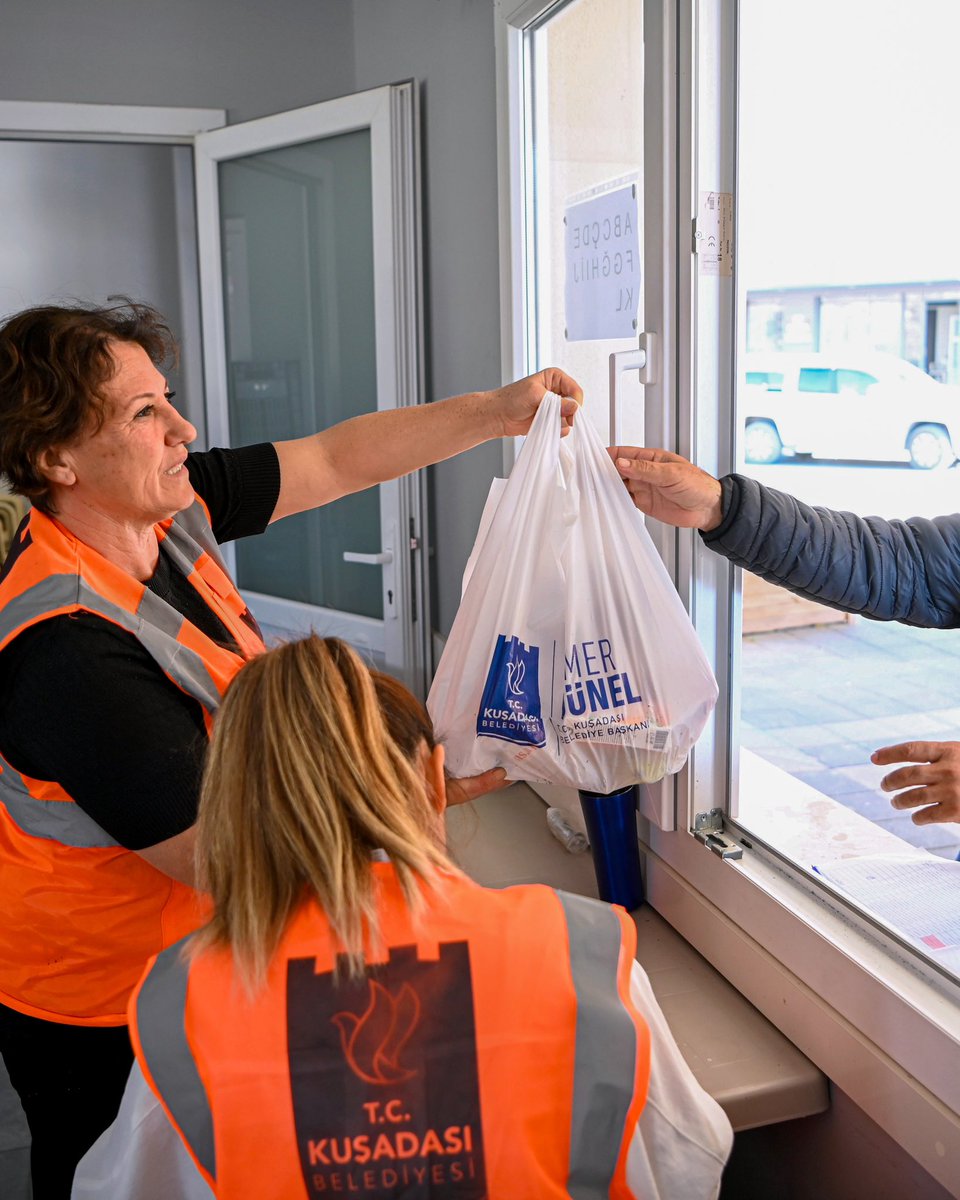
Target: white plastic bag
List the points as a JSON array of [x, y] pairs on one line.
[[571, 660]]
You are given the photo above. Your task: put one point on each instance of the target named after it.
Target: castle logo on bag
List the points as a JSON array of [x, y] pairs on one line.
[[510, 707]]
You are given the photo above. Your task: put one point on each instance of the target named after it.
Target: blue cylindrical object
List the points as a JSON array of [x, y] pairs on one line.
[[612, 827]]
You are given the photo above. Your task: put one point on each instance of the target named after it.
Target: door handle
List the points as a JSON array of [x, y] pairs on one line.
[[646, 360], [383, 559], [373, 560]]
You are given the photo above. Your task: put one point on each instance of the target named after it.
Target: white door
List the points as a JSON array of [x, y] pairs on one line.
[[308, 234]]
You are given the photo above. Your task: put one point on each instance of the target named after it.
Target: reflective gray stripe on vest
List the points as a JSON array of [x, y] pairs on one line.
[[191, 533], [56, 591], [161, 1017], [157, 629], [606, 1048], [156, 625], [60, 820]]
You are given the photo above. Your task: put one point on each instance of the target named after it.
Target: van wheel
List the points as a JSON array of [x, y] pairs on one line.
[[930, 448], [761, 442]]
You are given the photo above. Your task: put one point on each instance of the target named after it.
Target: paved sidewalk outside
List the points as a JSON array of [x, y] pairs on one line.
[[817, 702]]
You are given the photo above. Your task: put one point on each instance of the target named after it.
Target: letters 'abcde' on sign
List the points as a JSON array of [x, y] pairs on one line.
[[602, 252]]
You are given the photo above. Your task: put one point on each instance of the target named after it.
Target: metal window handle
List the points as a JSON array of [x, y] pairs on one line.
[[373, 560], [646, 360]]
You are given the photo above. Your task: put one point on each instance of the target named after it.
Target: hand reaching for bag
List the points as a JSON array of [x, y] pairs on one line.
[[668, 487], [934, 782], [462, 791], [515, 405]]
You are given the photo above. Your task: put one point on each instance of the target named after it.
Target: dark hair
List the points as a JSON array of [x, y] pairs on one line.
[[407, 721], [54, 362]]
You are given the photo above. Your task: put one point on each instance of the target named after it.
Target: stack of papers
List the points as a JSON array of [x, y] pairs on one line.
[[918, 897]]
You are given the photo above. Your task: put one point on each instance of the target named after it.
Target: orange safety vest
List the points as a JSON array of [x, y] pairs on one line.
[[81, 915], [492, 1051]]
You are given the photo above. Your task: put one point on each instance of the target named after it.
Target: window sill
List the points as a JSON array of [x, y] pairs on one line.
[[737, 1055], [803, 824], [887, 1033]]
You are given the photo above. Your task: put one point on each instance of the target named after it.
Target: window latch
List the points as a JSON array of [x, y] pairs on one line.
[[708, 828]]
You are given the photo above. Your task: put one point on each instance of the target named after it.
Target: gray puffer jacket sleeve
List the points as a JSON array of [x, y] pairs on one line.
[[905, 571]]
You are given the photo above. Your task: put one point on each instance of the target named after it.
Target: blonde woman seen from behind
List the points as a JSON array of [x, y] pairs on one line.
[[358, 1016], [299, 809]]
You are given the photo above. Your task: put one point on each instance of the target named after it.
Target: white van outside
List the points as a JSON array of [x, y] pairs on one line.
[[855, 406]]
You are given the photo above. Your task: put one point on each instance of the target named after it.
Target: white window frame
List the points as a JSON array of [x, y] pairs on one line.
[[38, 119], [884, 1030]]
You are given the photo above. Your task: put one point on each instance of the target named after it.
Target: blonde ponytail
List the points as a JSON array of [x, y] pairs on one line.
[[302, 783]]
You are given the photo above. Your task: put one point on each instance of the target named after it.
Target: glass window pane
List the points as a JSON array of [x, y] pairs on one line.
[[771, 380], [587, 80], [816, 379], [846, 279], [854, 381]]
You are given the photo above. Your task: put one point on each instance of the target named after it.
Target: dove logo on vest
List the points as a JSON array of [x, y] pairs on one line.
[[383, 1077], [510, 706]]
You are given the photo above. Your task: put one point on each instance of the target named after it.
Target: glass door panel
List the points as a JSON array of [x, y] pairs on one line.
[[297, 244]]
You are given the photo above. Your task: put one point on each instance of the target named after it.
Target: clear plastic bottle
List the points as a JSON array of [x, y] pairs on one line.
[[571, 839]]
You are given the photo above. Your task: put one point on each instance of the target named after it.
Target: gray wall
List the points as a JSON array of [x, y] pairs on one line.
[[251, 57], [90, 221], [254, 57], [449, 48]]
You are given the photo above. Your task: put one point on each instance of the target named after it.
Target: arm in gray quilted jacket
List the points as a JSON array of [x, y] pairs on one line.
[[905, 571]]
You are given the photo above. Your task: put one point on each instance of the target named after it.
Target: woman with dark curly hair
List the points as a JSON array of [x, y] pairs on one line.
[[119, 631]]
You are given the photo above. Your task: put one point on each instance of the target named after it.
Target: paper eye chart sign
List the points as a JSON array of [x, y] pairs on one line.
[[602, 252]]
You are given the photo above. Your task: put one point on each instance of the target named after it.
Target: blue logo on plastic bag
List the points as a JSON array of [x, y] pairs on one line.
[[510, 708]]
